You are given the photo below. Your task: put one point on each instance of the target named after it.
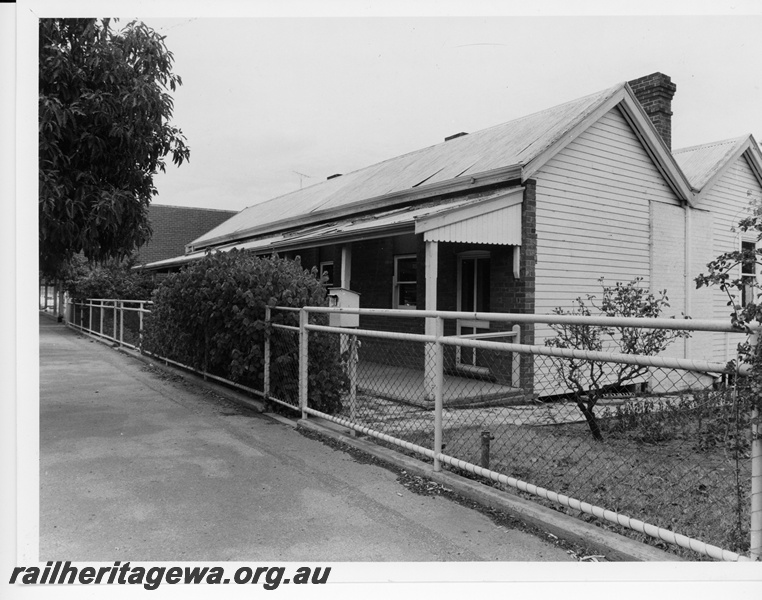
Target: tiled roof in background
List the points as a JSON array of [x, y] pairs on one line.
[[175, 226]]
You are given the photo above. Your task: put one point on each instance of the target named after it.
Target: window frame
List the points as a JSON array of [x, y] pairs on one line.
[[396, 283], [470, 255], [321, 270], [750, 295]]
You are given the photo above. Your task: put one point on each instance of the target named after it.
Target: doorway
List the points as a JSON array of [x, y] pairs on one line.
[[473, 296]]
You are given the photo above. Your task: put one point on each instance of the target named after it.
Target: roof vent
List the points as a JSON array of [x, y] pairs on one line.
[[456, 135], [334, 176]]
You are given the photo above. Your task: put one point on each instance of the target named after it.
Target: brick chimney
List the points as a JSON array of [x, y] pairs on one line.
[[655, 93]]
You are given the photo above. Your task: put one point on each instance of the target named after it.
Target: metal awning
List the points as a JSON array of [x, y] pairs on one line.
[[496, 220], [503, 203]]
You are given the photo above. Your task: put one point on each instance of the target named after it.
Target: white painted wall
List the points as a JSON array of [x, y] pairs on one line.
[[728, 201], [594, 214], [700, 345], [595, 200]]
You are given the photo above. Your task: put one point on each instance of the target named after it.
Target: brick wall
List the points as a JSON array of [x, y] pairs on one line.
[[655, 93], [525, 287], [175, 226]]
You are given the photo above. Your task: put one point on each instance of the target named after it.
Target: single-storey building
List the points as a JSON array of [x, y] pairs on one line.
[[173, 226], [521, 217]]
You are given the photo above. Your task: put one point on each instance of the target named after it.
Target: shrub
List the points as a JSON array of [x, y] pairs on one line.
[[211, 316], [590, 380], [109, 279]]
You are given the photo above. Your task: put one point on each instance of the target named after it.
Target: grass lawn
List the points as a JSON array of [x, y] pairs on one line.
[[676, 468]]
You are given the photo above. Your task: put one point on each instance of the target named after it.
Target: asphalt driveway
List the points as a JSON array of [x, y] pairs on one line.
[[136, 465]]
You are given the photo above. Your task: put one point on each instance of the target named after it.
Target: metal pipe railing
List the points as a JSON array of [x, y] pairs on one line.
[[631, 359], [436, 342], [718, 325]]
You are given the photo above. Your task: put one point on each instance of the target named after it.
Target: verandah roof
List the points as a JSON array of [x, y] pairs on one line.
[[390, 222]]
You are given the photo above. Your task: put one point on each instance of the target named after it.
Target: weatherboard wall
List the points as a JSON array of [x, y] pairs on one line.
[[593, 215], [728, 200]]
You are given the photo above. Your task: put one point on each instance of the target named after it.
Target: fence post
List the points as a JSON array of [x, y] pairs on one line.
[[486, 438], [90, 316], [438, 392], [121, 322], [141, 307], [114, 301], [100, 312], [755, 548], [268, 319], [304, 318], [516, 359], [352, 372]]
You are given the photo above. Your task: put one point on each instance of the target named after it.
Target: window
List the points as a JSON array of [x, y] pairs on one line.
[[405, 281], [327, 268], [748, 272]]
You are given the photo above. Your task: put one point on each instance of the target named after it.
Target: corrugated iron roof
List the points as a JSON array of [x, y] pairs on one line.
[[359, 227], [516, 142], [700, 163]]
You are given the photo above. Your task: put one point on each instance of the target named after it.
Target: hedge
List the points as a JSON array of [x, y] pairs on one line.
[[211, 316]]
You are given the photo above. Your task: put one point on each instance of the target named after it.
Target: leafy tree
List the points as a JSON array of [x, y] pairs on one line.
[[104, 132], [590, 380]]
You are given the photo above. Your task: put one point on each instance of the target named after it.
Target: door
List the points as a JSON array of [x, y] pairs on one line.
[[473, 296]]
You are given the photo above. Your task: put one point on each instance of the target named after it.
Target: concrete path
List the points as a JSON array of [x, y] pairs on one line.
[[138, 466]]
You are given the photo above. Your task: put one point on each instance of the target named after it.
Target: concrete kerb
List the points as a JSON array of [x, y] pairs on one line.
[[613, 545]]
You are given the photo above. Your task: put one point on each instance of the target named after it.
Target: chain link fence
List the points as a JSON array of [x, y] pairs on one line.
[[120, 321], [669, 444], [281, 384]]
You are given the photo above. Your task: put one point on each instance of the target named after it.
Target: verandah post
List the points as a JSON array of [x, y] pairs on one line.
[[303, 358], [432, 262]]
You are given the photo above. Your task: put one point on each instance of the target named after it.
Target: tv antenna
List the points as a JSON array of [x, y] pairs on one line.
[[301, 178]]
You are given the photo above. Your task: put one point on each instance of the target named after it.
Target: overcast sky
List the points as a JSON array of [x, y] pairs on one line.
[[270, 104]]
